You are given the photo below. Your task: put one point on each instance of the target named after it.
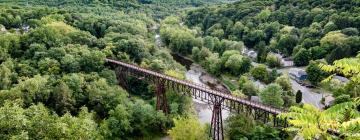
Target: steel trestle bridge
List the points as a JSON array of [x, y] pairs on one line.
[[219, 99]]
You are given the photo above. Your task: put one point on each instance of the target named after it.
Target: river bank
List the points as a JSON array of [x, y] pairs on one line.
[[203, 110], [196, 74]]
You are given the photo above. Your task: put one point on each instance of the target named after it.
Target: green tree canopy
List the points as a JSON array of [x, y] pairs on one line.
[[188, 129], [271, 95], [260, 73], [310, 122]]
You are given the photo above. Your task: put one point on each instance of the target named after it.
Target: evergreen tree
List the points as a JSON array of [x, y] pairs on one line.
[[298, 96]]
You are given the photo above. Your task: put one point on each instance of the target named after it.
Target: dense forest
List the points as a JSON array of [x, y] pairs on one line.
[[314, 34], [55, 83], [305, 30]]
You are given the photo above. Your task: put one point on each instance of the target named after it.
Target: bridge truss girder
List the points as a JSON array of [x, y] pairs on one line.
[[219, 101]]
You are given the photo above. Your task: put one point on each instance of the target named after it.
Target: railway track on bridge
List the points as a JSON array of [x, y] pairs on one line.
[[219, 100]]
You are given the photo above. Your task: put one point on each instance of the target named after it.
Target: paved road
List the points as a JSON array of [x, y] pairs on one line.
[[308, 95]]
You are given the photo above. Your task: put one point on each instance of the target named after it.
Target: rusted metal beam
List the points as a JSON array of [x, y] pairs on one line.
[[217, 130], [161, 101]]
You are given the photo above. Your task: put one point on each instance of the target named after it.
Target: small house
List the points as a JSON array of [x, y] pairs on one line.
[[297, 74], [287, 62]]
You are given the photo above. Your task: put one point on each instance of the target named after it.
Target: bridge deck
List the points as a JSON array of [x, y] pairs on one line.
[[201, 88]]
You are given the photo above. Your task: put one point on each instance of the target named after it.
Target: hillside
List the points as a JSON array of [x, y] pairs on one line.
[[56, 84], [319, 28]]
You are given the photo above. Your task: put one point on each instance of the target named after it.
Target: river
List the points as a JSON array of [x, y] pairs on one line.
[[197, 75]]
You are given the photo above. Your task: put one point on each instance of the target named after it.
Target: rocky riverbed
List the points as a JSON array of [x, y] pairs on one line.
[[198, 76]]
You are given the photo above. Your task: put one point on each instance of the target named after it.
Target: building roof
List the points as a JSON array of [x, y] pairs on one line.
[[297, 72]]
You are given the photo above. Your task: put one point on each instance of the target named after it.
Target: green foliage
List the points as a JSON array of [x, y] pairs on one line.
[[35, 89], [350, 31], [266, 133], [242, 127], [315, 74], [237, 64], [188, 129], [47, 35], [317, 52], [348, 67], [310, 122], [135, 48], [284, 82], [63, 102], [283, 26], [213, 64], [49, 66], [287, 95], [287, 43], [177, 38], [5, 77], [179, 105], [37, 122], [330, 26], [247, 86], [302, 57], [260, 73], [56, 66], [10, 46], [176, 74], [198, 54], [239, 94], [272, 61], [342, 99], [298, 96], [146, 120], [239, 127], [273, 75], [205, 51], [13, 120], [272, 95], [136, 119]]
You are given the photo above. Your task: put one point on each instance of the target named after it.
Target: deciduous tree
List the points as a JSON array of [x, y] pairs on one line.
[[188, 129], [310, 122], [298, 96], [302, 57], [260, 73], [271, 95]]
